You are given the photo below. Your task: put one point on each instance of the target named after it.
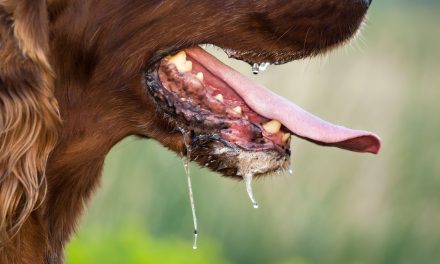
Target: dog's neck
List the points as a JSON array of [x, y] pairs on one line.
[[73, 172]]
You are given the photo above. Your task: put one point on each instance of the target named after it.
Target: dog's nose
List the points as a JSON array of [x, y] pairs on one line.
[[368, 2]]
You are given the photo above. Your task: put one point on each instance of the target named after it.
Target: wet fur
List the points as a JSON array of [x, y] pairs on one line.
[[72, 85]]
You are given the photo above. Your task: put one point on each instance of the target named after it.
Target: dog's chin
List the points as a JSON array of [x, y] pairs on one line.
[[219, 130], [230, 159]]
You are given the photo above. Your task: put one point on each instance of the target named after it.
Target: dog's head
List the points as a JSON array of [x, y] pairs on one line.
[[133, 67]]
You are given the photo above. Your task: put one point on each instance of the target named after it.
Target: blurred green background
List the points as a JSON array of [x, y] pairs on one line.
[[338, 207]]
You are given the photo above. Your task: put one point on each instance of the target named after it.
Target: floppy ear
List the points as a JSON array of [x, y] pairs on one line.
[[29, 117]]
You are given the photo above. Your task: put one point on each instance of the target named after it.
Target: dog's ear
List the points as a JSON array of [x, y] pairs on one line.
[[29, 118]]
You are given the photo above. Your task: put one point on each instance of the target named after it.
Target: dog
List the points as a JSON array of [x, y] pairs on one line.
[[78, 76]]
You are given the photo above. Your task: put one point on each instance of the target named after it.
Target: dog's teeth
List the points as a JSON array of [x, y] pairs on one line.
[[272, 126], [199, 76], [237, 109], [179, 60], [219, 97], [187, 67], [286, 137]]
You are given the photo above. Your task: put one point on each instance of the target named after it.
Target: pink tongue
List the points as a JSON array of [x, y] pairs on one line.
[[273, 106]]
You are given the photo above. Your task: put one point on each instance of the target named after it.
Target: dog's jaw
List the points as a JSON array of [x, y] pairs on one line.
[[219, 105]]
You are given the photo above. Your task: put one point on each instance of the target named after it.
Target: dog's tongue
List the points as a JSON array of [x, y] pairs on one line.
[[273, 106]]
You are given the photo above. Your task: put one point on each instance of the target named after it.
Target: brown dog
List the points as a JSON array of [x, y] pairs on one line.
[[77, 76]]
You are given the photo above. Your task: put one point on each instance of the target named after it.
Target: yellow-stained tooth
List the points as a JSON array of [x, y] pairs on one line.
[[187, 67], [286, 137], [199, 76], [179, 60], [219, 97], [272, 127], [237, 109]]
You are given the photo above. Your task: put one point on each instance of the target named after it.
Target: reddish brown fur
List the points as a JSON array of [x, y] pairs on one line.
[[92, 55]]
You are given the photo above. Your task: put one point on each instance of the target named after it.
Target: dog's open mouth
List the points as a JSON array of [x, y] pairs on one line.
[[237, 126]]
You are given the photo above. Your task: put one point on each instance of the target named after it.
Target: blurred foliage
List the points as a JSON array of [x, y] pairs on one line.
[[133, 245], [339, 207]]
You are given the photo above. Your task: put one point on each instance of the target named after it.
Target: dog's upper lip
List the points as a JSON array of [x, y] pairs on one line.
[[273, 106], [252, 57]]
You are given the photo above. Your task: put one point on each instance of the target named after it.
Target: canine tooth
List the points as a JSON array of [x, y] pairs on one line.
[[179, 60], [237, 109], [219, 97], [199, 76], [273, 126], [187, 67], [286, 137]]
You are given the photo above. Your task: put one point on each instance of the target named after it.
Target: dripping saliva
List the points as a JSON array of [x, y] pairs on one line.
[[290, 170], [248, 181], [186, 160], [259, 67]]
